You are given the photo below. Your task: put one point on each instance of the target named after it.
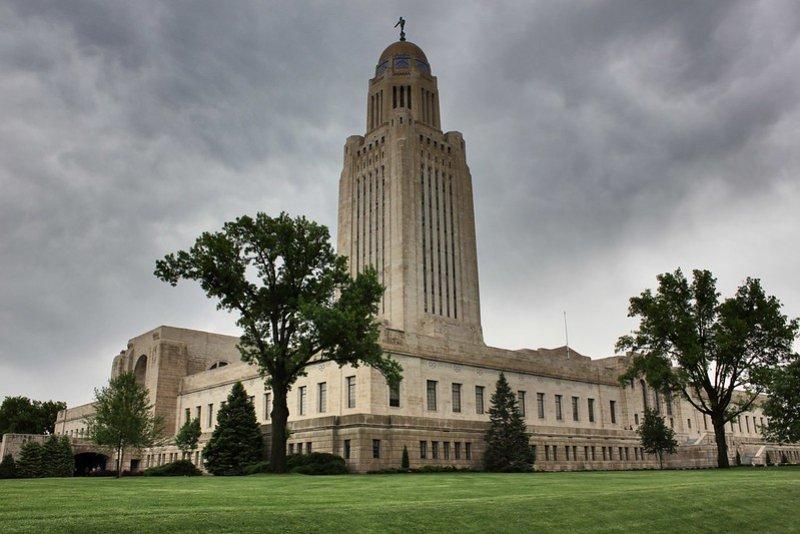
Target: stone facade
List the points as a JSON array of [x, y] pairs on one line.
[[406, 209]]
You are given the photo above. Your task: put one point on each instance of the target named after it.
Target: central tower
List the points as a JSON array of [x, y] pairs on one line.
[[405, 204]]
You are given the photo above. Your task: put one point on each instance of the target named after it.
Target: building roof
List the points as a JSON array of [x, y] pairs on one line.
[[403, 48]]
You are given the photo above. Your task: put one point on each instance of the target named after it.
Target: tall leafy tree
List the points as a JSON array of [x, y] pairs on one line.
[[718, 354], [782, 406], [21, 415], [507, 440], [187, 437], [123, 417], [236, 441], [296, 303], [656, 437]]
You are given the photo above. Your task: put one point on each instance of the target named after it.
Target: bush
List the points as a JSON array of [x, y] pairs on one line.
[[179, 468], [404, 463], [30, 460], [258, 467], [8, 467], [316, 463]]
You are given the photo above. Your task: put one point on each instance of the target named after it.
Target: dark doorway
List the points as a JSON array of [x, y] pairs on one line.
[[89, 462]]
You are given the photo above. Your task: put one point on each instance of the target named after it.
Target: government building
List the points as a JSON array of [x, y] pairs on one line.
[[406, 209]]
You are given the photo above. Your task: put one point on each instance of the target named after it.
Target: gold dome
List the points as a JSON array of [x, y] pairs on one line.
[[403, 48]]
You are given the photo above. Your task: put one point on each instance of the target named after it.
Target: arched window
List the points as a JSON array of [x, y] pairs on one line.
[[217, 365], [140, 370]]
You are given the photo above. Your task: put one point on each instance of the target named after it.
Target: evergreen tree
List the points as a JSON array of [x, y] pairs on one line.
[[187, 437], [656, 436], [123, 417], [404, 463], [507, 440], [8, 467], [57, 460], [30, 460], [236, 441]]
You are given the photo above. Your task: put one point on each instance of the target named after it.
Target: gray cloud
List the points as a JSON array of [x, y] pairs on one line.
[[608, 142]]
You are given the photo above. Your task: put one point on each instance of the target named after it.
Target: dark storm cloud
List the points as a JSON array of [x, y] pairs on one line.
[[608, 141]]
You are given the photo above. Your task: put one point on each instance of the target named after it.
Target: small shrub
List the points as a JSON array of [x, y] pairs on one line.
[[316, 463], [404, 462], [258, 467], [179, 468], [8, 467]]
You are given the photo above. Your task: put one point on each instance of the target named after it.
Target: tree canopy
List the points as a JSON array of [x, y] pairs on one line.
[[21, 415], [296, 303], [507, 439], [188, 435], [236, 441], [782, 407], [123, 417], [718, 354]]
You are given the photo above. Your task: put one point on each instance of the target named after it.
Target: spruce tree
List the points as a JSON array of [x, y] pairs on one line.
[[236, 441], [30, 460], [507, 440], [656, 436], [8, 467], [404, 463], [57, 458]]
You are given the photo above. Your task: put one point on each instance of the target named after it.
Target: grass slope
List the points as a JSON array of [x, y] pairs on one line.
[[759, 500]]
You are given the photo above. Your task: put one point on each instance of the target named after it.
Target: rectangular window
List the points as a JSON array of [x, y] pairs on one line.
[[301, 400], [468, 450], [627, 454], [586, 453], [555, 453], [594, 457], [590, 406], [446, 446], [540, 404], [747, 423], [612, 406], [308, 447], [479, 399], [575, 414], [423, 450], [435, 450], [566, 452], [291, 448], [547, 452], [457, 450], [198, 411], [347, 449], [574, 452], [322, 397], [672, 422], [636, 419], [456, 398], [351, 392], [187, 414], [267, 408], [668, 398], [705, 422], [210, 415], [521, 402], [376, 448], [431, 388], [559, 413], [394, 395], [300, 448], [620, 453]]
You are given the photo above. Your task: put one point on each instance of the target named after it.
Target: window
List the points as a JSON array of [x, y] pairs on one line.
[[521, 402], [322, 397], [627, 453], [559, 414], [468, 451], [705, 422], [636, 419], [739, 422], [347, 449], [668, 399], [187, 414], [590, 406], [351, 392], [198, 411], [431, 387], [376, 448], [672, 422], [688, 423], [612, 405], [301, 400], [540, 404], [586, 452], [446, 447], [266, 406], [291, 448], [457, 450], [555, 453], [594, 457], [210, 415], [308, 447], [574, 452], [547, 452], [566, 452], [620, 454], [747, 422], [479, 399], [435, 450], [300, 448], [423, 450], [394, 395], [575, 414], [456, 398]]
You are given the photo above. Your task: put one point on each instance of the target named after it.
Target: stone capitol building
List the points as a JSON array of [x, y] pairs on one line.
[[406, 208]]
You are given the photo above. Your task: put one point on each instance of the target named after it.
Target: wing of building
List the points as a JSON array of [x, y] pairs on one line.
[[406, 209]]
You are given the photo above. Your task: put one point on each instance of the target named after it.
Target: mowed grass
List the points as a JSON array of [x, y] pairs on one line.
[[745, 499]]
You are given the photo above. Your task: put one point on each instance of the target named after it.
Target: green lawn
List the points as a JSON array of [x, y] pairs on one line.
[[757, 500]]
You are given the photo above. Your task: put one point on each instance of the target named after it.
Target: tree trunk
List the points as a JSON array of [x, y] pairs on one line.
[[722, 444], [279, 417]]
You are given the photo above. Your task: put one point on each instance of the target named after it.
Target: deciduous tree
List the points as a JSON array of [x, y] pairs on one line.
[[782, 406], [21, 415], [718, 355], [507, 440], [296, 302], [123, 417], [187, 437]]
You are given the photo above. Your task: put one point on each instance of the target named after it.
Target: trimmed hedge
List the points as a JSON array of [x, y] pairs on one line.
[[258, 467], [179, 468], [316, 463]]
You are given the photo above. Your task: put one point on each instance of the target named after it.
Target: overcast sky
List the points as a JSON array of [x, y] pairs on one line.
[[608, 142]]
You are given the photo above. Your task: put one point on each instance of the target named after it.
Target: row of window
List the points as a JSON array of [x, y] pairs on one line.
[[457, 448], [591, 453], [456, 388]]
